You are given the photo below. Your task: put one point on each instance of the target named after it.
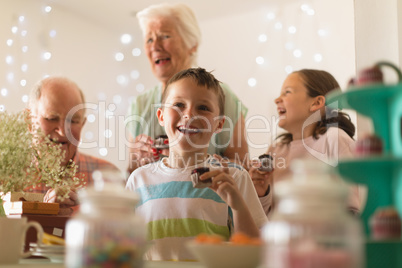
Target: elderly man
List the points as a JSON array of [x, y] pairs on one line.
[[57, 106]]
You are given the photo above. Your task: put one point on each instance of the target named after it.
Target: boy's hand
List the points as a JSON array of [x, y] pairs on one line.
[[224, 185], [261, 179]]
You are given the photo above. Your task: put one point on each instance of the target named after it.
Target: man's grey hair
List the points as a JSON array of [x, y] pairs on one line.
[[36, 91]]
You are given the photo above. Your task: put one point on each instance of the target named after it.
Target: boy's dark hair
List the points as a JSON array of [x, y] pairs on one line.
[[202, 78], [320, 83]]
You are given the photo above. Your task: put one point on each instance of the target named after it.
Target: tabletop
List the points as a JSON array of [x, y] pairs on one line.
[[44, 263]]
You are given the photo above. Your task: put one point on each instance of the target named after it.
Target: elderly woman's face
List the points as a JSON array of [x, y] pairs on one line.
[[165, 48]]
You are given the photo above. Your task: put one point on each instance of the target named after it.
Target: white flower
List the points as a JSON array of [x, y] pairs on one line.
[[28, 158]]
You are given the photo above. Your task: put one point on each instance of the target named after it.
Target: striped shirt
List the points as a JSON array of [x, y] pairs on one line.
[[175, 212]]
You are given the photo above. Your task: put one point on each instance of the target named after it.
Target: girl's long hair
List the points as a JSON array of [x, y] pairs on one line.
[[318, 83]]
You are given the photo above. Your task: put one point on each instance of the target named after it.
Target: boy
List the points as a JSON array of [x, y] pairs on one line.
[[174, 210]]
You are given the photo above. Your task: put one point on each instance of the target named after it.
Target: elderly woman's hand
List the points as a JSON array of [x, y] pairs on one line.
[[142, 152]]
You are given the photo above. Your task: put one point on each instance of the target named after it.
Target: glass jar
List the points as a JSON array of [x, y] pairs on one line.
[[105, 232], [311, 226]]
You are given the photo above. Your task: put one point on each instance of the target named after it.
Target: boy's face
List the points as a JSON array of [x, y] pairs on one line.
[[190, 116]]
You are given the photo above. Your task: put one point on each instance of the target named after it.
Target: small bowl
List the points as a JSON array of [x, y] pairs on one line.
[[226, 255]]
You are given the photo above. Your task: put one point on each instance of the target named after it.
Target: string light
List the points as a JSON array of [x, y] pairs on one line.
[[117, 99], [262, 38], [134, 74], [103, 151], [119, 56], [252, 82], [107, 133], [46, 55], [21, 41], [136, 52], [23, 82], [10, 76], [289, 45], [112, 107], [292, 29], [24, 67], [52, 33], [47, 9], [322, 32], [140, 88], [25, 98], [297, 53], [109, 114], [89, 135], [288, 69], [260, 60], [311, 12], [125, 39], [122, 80], [271, 16], [318, 57], [4, 92], [101, 96], [91, 118], [278, 26], [9, 59]]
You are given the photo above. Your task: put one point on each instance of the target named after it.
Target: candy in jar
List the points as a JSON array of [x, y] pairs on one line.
[[311, 226], [105, 232]]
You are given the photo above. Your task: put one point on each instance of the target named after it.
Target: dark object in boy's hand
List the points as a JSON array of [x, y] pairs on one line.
[[195, 178], [266, 162], [161, 142]]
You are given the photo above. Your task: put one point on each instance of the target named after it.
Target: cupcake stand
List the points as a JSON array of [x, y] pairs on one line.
[[382, 174]]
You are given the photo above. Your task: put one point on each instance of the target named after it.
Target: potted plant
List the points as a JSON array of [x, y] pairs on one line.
[[28, 157]]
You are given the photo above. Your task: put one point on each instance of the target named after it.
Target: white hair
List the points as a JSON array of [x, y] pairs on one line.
[[187, 24]]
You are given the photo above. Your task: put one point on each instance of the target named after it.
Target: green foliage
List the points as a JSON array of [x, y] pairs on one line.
[[28, 157]]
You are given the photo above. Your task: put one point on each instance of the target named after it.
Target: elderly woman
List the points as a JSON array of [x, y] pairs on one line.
[[172, 35]]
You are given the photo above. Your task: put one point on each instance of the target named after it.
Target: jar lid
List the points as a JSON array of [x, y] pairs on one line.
[[311, 178]]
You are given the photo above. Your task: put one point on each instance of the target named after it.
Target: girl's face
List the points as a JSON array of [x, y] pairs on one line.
[[165, 48], [294, 105], [190, 116]]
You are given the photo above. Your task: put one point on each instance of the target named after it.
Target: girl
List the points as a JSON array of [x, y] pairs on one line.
[[313, 130]]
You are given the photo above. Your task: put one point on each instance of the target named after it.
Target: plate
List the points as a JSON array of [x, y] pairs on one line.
[[47, 248], [53, 257], [53, 252]]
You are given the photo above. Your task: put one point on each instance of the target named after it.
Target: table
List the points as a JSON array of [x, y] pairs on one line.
[[51, 224], [44, 263]]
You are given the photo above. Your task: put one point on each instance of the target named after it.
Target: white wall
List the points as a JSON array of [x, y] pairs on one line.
[[378, 33], [230, 47], [84, 51]]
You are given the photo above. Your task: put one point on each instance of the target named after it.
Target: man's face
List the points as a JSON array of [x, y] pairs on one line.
[[54, 116]]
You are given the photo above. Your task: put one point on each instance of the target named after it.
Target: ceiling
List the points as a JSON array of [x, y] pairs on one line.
[[120, 14]]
